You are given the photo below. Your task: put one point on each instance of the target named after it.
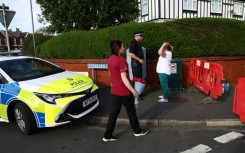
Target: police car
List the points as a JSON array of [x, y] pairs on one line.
[[36, 93]]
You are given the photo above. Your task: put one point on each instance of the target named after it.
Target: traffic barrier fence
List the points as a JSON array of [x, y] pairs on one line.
[[239, 99], [208, 77]]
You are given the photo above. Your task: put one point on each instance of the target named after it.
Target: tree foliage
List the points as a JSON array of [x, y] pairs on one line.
[[39, 39], [68, 15]]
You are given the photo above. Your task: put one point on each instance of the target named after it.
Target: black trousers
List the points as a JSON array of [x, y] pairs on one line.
[[136, 69], [117, 102]]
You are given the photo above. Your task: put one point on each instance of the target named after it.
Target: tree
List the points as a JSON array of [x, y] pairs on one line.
[[68, 15], [115, 12], [39, 39], [44, 31]]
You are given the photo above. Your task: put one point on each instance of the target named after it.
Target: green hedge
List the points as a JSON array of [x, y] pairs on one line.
[[190, 38], [211, 37]]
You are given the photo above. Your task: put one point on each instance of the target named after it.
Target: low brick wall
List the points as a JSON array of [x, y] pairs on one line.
[[233, 68]]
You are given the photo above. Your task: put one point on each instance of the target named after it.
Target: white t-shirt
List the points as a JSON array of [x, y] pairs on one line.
[[164, 63]]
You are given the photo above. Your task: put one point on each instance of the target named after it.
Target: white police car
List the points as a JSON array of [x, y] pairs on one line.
[[36, 93]]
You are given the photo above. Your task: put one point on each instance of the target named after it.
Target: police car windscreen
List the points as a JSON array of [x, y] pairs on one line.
[[28, 68]]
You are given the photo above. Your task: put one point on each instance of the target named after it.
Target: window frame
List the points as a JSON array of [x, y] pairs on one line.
[[216, 7], [240, 8], [144, 7], [188, 3]]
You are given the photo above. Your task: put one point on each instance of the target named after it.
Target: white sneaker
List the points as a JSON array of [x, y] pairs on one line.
[[162, 100], [142, 133], [110, 139], [161, 97]]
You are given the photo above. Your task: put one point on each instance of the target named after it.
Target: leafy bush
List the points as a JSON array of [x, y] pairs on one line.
[[28, 44], [190, 38]]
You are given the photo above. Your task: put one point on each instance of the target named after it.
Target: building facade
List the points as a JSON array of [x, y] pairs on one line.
[[16, 39], [164, 10]]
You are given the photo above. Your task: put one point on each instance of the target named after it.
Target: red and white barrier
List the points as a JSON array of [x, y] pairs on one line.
[[239, 99], [208, 77]]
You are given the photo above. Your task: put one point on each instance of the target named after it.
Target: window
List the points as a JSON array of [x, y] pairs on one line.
[[144, 7], [190, 5], [0, 41], [238, 8], [216, 6], [28, 68], [5, 41], [15, 42], [21, 41]]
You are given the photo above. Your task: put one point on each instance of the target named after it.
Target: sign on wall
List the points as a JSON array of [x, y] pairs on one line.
[[98, 66]]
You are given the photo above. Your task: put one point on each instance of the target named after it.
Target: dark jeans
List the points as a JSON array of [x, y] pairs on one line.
[[117, 102], [136, 69]]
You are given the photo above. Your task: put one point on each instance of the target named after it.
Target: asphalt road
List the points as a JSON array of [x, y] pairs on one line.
[[79, 137]]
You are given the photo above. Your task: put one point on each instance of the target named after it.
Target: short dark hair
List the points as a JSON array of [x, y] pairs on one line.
[[115, 45]]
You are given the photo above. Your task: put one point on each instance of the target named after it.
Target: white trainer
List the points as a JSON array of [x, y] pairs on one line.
[[163, 100], [110, 139], [142, 133], [161, 97]]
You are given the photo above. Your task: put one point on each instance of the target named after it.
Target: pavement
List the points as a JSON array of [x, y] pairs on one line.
[[185, 108]]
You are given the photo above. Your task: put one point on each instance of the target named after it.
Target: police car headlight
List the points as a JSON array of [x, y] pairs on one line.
[[49, 98]]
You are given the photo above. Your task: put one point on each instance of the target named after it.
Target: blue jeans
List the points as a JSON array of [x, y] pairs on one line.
[[163, 78]]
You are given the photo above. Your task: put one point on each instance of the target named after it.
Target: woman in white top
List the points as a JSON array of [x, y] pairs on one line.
[[163, 69]]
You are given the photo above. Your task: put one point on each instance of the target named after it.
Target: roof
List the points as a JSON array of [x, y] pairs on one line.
[[25, 34], [14, 33], [9, 33], [3, 33]]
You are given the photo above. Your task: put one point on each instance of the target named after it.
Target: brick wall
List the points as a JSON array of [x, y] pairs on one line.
[[233, 68]]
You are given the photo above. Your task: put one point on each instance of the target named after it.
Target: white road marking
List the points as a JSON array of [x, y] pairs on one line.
[[198, 149], [228, 137]]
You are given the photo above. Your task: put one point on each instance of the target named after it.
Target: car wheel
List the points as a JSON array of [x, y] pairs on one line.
[[25, 119]]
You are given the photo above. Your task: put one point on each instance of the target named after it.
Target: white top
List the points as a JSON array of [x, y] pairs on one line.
[[164, 63]]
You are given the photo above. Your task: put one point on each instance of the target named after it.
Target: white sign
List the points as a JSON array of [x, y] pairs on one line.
[[98, 66], [198, 63], [206, 65], [173, 69]]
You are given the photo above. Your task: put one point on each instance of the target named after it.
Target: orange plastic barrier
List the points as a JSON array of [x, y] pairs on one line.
[[208, 77], [239, 99]]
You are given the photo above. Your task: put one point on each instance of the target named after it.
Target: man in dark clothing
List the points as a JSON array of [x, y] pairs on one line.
[[137, 56], [136, 53]]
